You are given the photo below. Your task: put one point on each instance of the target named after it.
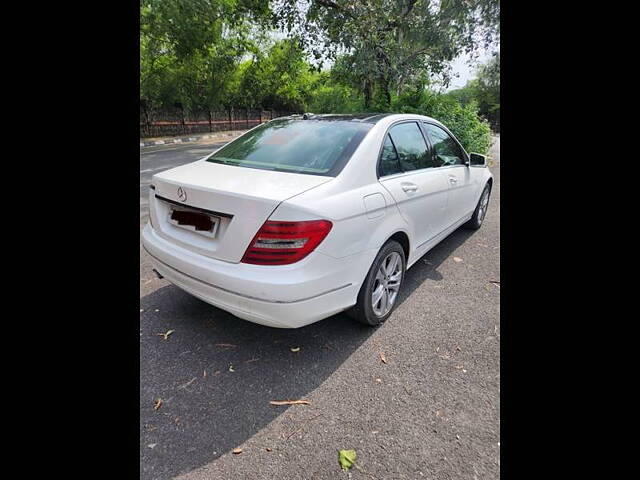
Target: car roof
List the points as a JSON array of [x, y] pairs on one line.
[[354, 117], [371, 118]]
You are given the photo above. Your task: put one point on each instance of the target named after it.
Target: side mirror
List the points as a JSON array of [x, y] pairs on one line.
[[477, 160]]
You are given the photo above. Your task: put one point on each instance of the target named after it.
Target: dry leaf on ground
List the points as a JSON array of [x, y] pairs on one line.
[[166, 335], [157, 404], [295, 349], [383, 357], [236, 451], [457, 259]]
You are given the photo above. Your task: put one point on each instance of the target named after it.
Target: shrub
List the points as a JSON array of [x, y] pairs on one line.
[[463, 120]]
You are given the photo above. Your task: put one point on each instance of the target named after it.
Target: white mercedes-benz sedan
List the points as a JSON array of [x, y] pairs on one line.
[[306, 216]]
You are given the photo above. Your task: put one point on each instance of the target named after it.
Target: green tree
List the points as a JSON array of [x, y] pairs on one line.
[[487, 90], [388, 43], [189, 49], [280, 79], [484, 90]]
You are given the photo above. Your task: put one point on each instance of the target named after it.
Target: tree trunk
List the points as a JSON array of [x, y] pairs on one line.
[[384, 84], [367, 94], [400, 85]]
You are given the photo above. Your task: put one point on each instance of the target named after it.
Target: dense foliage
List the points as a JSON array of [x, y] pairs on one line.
[[484, 91], [218, 54], [386, 44]]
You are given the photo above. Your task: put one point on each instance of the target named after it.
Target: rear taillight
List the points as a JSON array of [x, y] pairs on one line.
[[281, 243]]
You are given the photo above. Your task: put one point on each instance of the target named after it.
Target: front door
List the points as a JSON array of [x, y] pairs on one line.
[[450, 155]]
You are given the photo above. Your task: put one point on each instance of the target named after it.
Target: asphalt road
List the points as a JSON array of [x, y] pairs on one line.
[[432, 411]]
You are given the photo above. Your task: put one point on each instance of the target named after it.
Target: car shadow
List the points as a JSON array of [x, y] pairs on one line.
[[426, 268], [215, 374]]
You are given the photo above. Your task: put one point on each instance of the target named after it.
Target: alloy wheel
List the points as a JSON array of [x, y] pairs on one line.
[[482, 209], [387, 284]]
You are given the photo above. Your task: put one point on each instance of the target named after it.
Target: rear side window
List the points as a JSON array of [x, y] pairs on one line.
[[389, 162], [447, 151], [317, 147], [411, 147]]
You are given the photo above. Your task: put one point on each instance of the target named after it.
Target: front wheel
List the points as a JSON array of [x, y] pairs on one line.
[[481, 209], [379, 293]]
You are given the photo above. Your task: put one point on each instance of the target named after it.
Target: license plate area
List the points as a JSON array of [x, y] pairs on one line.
[[194, 221]]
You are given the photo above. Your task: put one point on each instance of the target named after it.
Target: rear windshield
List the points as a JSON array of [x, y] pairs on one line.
[[317, 147]]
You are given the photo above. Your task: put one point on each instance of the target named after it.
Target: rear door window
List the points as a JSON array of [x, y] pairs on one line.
[[411, 146], [389, 161]]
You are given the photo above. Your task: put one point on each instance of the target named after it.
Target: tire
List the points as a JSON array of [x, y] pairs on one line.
[[475, 222], [365, 310]]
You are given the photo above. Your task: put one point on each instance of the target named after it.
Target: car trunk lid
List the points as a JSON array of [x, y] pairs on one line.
[[235, 200]]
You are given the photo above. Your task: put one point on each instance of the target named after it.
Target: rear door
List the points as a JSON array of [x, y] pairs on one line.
[[452, 158], [407, 170]]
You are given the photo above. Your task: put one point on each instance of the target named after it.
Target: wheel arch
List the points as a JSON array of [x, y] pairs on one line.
[[403, 239]]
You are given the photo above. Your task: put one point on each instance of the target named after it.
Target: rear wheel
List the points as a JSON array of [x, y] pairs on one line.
[[379, 293]]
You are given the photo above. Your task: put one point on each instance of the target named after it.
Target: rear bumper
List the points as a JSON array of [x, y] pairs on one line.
[[288, 296]]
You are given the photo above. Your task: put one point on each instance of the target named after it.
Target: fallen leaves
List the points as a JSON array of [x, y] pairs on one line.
[[269, 449], [383, 358], [295, 349], [289, 402], [347, 458], [157, 404], [231, 368], [236, 451], [166, 335], [495, 282], [457, 259]]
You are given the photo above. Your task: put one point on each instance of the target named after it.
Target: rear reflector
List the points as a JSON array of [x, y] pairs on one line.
[[282, 243]]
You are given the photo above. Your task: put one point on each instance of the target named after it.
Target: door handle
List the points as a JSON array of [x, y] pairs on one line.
[[409, 187], [453, 180]]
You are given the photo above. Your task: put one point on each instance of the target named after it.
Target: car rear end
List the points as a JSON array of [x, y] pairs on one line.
[[215, 230]]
